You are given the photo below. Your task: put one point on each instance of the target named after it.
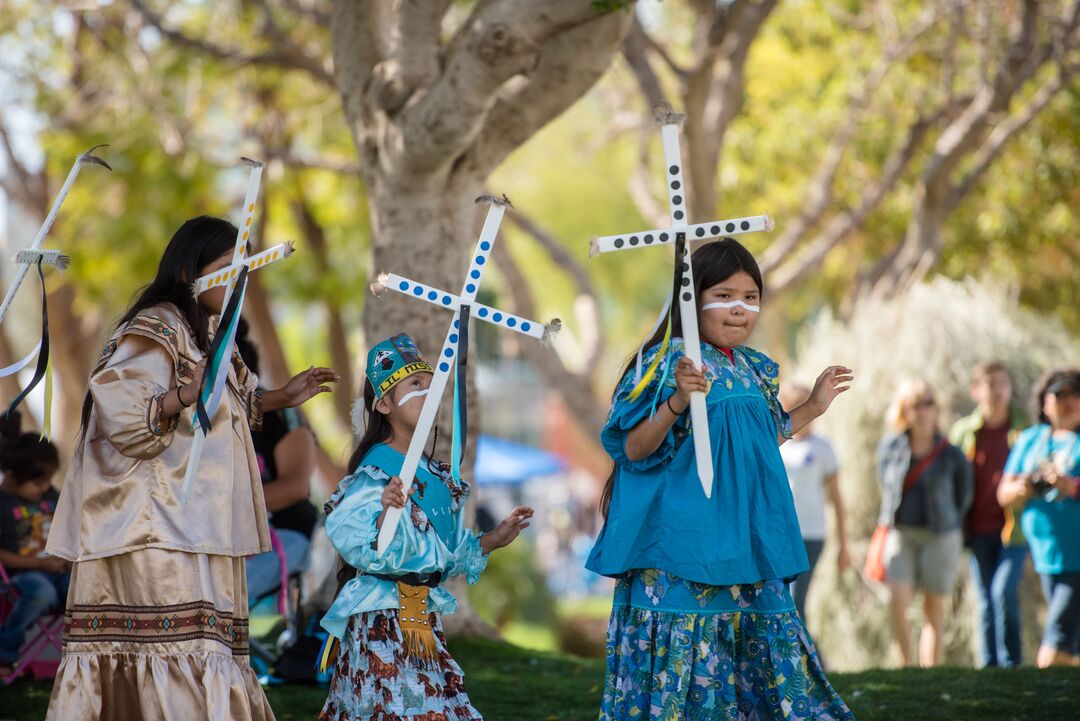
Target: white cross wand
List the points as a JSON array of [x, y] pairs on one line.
[[681, 233], [217, 368], [25, 260], [450, 350]]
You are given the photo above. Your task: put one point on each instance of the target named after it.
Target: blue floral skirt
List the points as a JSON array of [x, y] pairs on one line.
[[687, 651], [374, 680]]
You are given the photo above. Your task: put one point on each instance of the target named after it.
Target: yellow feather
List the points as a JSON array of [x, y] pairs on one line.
[[649, 374], [46, 423]]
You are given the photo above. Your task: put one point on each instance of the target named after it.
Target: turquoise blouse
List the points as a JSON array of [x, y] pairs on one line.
[[1051, 522], [660, 519], [431, 537]]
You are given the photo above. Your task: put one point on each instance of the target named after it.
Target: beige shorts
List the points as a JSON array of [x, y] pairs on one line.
[[927, 560]]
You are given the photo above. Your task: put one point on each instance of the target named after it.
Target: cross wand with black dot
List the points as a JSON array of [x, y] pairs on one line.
[[680, 234]]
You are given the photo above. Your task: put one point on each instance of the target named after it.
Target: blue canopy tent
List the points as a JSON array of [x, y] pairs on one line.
[[503, 462]]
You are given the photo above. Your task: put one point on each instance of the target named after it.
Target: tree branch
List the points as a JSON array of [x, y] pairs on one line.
[[821, 192], [419, 40], [569, 64], [575, 388], [995, 143], [662, 53], [308, 9], [354, 27], [715, 90], [306, 162], [315, 236], [588, 317], [935, 193], [640, 183], [505, 39], [844, 224], [634, 52], [286, 58], [30, 187]]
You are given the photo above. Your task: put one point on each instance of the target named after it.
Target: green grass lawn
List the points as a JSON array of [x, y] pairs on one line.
[[511, 684]]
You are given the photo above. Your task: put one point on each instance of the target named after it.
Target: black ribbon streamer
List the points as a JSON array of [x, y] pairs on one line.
[[681, 266], [227, 316], [43, 356], [464, 313]]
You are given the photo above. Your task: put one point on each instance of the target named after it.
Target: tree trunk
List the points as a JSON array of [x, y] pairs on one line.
[[273, 366], [425, 231], [431, 121], [9, 385], [73, 351]]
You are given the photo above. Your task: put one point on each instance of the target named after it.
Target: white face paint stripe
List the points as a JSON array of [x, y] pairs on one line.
[[409, 396], [732, 304]]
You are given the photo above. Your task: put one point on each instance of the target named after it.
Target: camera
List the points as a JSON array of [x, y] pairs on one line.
[[1038, 483]]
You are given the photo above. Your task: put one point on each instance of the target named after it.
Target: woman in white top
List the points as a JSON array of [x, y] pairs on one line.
[[813, 473]]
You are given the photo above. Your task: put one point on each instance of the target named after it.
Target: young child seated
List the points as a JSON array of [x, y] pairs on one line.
[[27, 502]]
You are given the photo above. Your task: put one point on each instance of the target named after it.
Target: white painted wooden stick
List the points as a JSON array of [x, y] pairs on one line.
[[699, 416]]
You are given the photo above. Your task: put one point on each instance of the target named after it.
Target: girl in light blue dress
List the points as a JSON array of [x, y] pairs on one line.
[[703, 625], [392, 663]]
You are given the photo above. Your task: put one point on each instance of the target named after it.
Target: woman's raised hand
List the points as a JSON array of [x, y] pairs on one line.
[[304, 386]]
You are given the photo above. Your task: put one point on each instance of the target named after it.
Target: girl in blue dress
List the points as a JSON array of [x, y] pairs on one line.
[[393, 664], [703, 625]]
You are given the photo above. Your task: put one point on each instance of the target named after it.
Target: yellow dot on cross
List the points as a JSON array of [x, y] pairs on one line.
[[251, 208], [245, 235]]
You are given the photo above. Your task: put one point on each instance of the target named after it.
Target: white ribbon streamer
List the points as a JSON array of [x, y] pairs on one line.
[[43, 231], [652, 331], [20, 364]]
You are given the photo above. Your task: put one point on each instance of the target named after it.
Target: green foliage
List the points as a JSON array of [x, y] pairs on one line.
[[512, 588], [612, 5]]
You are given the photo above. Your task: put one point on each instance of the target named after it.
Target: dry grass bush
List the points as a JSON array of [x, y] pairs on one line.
[[938, 330]]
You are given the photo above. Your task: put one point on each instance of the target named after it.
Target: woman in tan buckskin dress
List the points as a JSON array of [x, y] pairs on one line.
[[156, 625]]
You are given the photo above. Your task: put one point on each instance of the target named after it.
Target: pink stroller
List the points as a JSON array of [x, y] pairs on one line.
[[41, 651]]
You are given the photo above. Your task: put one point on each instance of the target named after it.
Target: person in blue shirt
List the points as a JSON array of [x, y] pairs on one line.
[[703, 625], [393, 661], [1042, 481]]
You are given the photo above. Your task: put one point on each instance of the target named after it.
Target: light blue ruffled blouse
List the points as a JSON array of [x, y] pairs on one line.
[[659, 517], [431, 537]]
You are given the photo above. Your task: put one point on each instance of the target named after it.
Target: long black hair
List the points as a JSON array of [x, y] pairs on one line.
[[713, 263], [25, 456], [196, 244], [377, 428]]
